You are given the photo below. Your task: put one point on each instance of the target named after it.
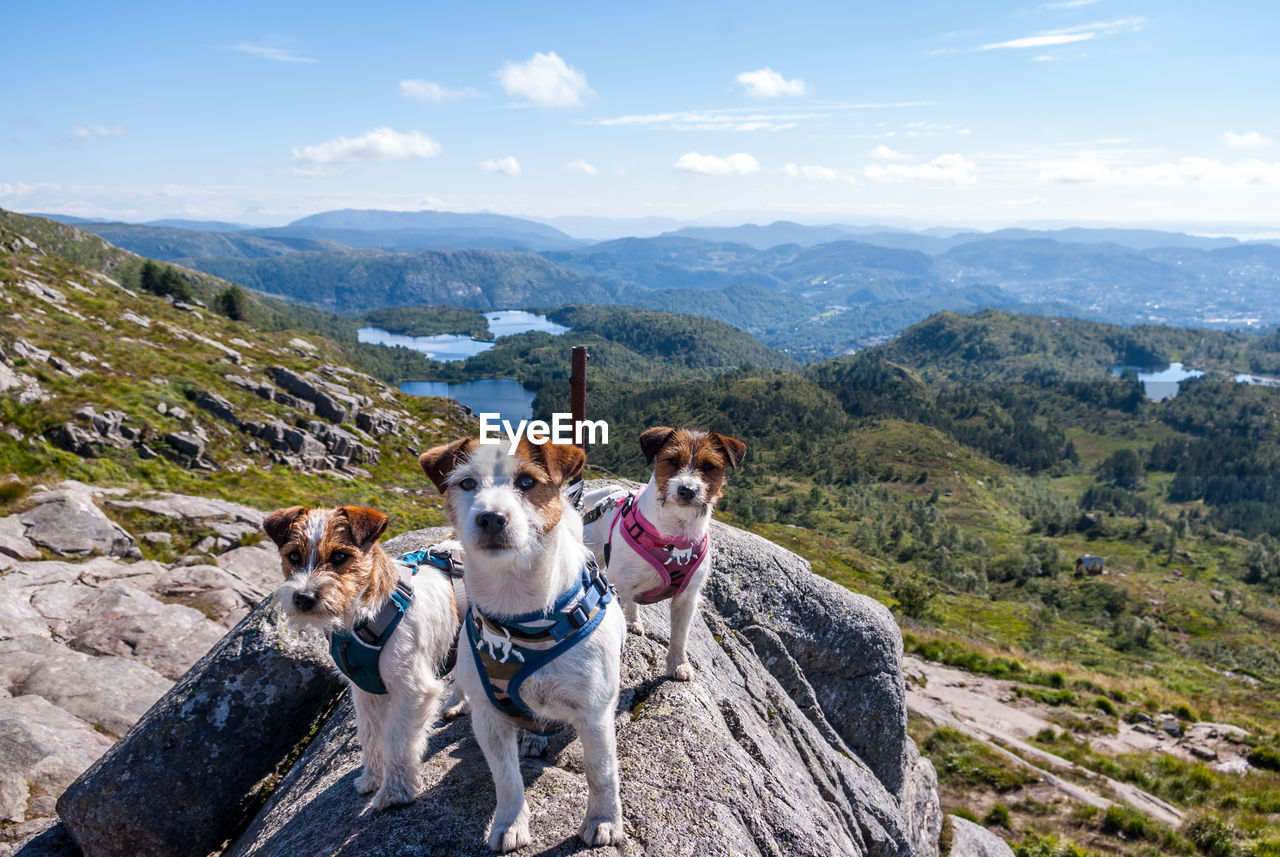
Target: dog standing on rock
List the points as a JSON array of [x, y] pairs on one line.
[[543, 634], [390, 628], [655, 542]]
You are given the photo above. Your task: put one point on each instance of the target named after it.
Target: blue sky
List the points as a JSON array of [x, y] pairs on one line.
[[933, 112]]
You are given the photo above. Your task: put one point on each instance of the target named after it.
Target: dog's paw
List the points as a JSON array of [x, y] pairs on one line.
[[367, 782], [602, 831], [681, 672], [504, 839], [453, 712], [532, 746], [636, 627], [393, 794]]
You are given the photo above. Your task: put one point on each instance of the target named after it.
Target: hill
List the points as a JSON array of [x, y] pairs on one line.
[[170, 243]]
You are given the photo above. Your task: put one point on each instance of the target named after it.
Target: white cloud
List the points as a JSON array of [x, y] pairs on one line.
[[884, 153], [1247, 140], [507, 166], [545, 80], [581, 166], [379, 144], [97, 131], [767, 83], [952, 169], [1078, 171], [432, 92], [815, 172], [1039, 41], [1067, 35], [739, 164], [1191, 170], [270, 52]]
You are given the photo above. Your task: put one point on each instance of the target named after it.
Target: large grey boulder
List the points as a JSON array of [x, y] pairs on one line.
[[725, 764], [189, 773], [972, 840], [42, 749], [13, 540], [256, 567], [107, 693], [69, 523]]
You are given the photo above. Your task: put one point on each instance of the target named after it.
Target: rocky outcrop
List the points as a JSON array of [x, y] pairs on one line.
[[186, 777], [42, 748], [972, 840], [67, 522]]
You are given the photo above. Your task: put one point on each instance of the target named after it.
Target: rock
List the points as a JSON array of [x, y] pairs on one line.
[[256, 567], [921, 806], [45, 838], [110, 693], [13, 540], [1170, 726], [378, 422], [187, 776], [121, 620], [180, 506], [67, 522], [185, 444], [293, 383], [972, 840], [75, 440], [328, 408], [1204, 753], [157, 538], [725, 764], [17, 616], [42, 748], [218, 406]]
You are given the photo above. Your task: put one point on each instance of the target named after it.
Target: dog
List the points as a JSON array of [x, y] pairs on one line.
[[655, 544], [340, 582], [528, 574]]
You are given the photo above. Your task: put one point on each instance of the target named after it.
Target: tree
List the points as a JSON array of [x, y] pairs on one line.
[[149, 277], [233, 303]]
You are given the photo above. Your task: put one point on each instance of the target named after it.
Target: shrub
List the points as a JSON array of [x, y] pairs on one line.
[[1265, 757], [999, 817], [1106, 706], [1211, 836]]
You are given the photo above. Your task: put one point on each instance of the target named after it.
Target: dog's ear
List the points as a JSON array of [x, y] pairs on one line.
[[563, 461], [278, 524], [653, 439], [440, 461], [734, 449], [367, 525]]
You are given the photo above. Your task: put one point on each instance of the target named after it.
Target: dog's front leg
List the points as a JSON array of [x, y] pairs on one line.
[[631, 609], [371, 714], [456, 706], [496, 735], [405, 737], [603, 824], [682, 608]]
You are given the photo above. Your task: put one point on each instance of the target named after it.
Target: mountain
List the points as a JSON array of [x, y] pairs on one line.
[[764, 237], [356, 281], [415, 230], [173, 242], [200, 225]]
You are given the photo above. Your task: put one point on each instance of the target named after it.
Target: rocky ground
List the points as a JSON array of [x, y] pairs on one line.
[[92, 634]]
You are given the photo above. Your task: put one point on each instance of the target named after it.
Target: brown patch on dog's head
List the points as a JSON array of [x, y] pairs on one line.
[[542, 472], [690, 467], [440, 461], [331, 560]]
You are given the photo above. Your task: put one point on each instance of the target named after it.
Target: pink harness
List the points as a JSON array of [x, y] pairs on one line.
[[675, 560]]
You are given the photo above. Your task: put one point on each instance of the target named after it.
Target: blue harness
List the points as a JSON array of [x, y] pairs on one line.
[[508, 651], [356, 654]]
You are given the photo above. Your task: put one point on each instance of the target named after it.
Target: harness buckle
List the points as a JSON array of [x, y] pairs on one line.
[[579, 617]]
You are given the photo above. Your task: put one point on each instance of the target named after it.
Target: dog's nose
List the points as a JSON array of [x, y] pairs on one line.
[[304, 601], [491, 522], [686, 493]]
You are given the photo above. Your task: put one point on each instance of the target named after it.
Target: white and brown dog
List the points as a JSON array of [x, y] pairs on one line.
[[389, 632], [655, 543], [543, 635]]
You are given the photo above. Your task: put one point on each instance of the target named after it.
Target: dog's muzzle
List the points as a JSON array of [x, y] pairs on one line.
[[491, 531]]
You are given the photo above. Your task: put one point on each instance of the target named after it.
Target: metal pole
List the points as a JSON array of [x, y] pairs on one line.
[[578, 389]]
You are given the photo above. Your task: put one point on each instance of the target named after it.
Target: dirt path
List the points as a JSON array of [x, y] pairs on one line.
[[983, 708]]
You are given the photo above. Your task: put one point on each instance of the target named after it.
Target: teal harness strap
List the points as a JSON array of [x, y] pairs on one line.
[[357, 654]]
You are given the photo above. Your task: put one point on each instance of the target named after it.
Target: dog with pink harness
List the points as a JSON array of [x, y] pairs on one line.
[[654, 542]]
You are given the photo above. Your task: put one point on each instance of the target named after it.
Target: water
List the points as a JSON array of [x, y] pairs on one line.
[[449, 347], [1160, 384], [494, 395], [1260, 380]]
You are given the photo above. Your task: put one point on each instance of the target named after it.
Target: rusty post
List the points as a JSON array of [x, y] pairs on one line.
[[578, 389]]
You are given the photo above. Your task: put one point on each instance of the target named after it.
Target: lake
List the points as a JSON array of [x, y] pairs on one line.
[[490, 395], [449, 347], [1160, 384]]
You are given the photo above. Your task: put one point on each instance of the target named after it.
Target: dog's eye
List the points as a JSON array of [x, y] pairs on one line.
[[674, 462], [467, 484], [337, 557], [295, 558], [708, 467], [525, 482]]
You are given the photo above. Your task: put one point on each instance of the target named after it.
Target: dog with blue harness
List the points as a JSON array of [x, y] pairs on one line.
[[544, 628], [391, 627]]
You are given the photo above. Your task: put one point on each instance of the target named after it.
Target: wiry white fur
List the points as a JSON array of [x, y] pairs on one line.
[[632, 575], [579, 688], [391, 727]]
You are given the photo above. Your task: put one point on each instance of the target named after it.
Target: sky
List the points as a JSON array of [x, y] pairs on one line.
[[921, 113]]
